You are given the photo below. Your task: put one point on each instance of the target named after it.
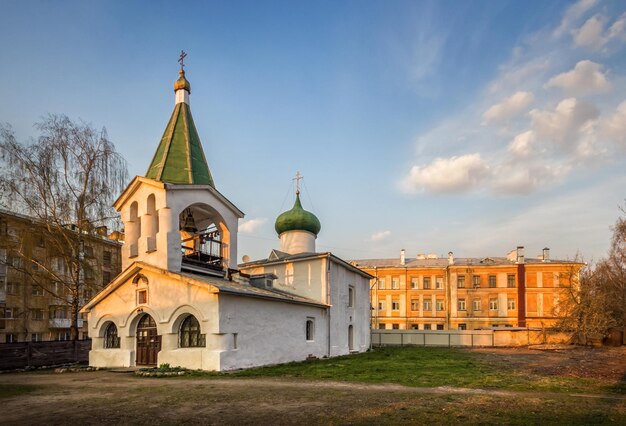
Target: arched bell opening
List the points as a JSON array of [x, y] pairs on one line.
[[204, 237]]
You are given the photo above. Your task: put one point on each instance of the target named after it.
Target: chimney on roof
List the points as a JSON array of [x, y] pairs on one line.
[[546, 254], [450, 258], [402, 257], [520, 254]]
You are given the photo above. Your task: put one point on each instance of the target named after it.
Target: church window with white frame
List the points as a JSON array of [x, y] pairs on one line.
[[310, 329], [111, 339], [190, 334]]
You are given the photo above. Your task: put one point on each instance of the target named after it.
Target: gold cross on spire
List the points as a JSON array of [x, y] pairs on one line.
[[181, 60], [297, 179]]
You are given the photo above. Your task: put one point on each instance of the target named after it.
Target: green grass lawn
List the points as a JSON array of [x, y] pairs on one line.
[[429, 367]]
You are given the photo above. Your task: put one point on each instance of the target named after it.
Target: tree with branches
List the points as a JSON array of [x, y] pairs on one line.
[[66, 181], [595, 300]]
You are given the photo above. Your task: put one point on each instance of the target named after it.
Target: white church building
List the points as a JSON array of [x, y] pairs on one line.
[[181, 298]]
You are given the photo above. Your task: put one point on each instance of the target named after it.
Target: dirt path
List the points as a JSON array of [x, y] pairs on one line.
[[122, 398]]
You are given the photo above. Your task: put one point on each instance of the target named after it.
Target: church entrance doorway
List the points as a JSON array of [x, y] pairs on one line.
[[148, 341]]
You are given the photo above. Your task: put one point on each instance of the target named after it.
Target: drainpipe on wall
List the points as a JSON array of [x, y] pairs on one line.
[[521, 287]]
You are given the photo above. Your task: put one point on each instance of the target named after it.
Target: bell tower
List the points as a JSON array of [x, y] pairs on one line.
[[174, 217]]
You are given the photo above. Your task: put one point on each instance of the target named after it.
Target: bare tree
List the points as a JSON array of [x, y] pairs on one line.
[[595, 301], [66, 180]]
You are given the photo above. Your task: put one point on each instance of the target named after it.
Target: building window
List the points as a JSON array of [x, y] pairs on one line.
[[35, 337], [142, 297], [106, 257], [395, 305], [63, 336], [414, 327], [476, 305], [426, 283], [426, 326], [439, 283], [493, 304], [11, 338], [439, 304], [492, 281], [350, 297], [381, 283], [414, 283], [460, 281], [462, 326], [13, 288], [462, 304], [510, 303], [36, 314], [381, 305], [310, 329], [395, 326], [37, 290], [88, 250], [381, 326], [111, 339], [9, 313], [395, 283], [427, 305], [106, 278], [190, 336], [439, 326], [510, 281], [476, 281], [415, 304]]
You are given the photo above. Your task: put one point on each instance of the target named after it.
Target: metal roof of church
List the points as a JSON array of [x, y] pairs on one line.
[[179, 158]]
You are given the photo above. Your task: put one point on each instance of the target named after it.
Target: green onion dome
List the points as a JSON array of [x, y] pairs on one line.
[[297, 219]]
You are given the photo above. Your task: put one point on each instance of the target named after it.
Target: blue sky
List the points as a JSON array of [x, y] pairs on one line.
[[433, 126]]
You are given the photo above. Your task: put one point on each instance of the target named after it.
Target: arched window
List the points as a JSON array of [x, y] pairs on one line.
[[310, 329], [190, 336], [111, 339]]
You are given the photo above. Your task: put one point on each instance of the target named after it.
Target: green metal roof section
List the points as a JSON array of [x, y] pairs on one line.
[[297, 219], [179, 158]]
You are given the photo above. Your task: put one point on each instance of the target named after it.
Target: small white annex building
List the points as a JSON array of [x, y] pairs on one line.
[[181, 298]]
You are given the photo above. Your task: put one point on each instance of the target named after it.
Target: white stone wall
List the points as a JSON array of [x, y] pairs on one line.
[[269, 332], [169, 302]]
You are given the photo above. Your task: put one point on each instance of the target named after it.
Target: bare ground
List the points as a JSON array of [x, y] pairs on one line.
[[105, 397]]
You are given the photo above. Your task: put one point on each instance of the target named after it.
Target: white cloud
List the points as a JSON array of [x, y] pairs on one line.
[[573, 14], [249, 226], [522, 144], [448, 175], [592, 34], [586, 76], [614, 127], [508, 108], [515, 178], [566, 124], [379, 236]]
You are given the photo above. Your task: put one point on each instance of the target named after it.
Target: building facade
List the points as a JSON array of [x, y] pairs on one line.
[[433, 293], [32, 306]]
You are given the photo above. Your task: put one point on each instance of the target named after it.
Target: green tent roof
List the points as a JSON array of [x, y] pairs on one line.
[[297, 219], [179, 157]]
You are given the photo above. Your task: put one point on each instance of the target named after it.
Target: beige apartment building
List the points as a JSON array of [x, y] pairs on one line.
[[433, 293], [42, 312]]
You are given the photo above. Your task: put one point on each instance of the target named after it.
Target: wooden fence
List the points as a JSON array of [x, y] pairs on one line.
[[39, 354]]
